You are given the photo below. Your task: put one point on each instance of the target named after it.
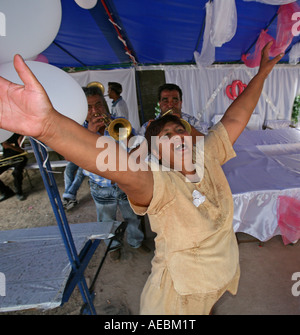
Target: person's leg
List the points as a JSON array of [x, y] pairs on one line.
[[135, 235], [69, 176], [18, 178], [73, 177], [5, 191], [106, 206], [74, 187], [162, 299]]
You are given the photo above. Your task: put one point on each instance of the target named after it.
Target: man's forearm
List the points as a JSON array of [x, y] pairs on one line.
[[242, 108], [238, 114], [100, 155]]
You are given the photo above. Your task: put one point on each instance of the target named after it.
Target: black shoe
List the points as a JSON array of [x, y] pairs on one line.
[[69, 203], [21, 197], [9, 193]]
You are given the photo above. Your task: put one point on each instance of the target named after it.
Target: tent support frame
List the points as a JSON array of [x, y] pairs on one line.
[[78, 262]]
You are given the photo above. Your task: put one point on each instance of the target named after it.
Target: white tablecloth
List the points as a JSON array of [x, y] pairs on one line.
[[267, 165]]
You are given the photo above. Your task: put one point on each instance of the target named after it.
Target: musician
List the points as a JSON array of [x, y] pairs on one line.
[[11, 147], [106, 194], [73, 174], [170, 98], [196, 256], [119, 107]]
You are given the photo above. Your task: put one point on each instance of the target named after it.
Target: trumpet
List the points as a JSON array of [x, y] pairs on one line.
[[186, 125], [113, 127], [13, 159]]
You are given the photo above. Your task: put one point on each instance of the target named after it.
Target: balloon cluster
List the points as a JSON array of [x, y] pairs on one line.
[[30, 28]]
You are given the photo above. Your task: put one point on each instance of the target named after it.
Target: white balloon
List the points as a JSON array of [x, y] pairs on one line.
[[4, 135], [65, 93], [30, 27], [86, 4]]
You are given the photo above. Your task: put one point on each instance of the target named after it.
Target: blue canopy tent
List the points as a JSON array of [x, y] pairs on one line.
[[154, 32]]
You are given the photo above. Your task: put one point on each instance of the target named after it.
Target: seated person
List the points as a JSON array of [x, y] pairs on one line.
[[11, 147]]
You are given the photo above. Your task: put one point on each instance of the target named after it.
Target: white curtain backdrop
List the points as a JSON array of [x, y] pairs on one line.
[[126, 77], [204, 90]]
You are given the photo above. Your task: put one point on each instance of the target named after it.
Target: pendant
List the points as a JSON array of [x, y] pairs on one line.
[[198, 198]]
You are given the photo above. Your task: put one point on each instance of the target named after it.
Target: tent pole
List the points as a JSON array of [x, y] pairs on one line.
[[138, 87]]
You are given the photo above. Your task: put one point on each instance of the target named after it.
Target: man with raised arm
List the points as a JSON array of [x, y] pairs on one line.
[[190, 209]]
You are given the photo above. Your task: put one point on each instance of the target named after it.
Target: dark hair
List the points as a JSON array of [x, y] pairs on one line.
[[93, 90], [169, 87], [156, 126], [117, 87]]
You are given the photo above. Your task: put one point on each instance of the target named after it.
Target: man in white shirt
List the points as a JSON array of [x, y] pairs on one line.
[[119, 106], [170, 98]]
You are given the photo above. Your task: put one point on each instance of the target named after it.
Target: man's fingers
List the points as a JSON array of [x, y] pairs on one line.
[[266, 48], [266, 52], [25, 73], [277, 58]]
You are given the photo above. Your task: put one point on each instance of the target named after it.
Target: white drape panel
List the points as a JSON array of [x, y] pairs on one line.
[[204, 89], [220, 27], [224, 22], [126, 77], [207, 56]]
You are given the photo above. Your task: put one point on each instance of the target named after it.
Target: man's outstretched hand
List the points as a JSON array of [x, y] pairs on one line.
[[267, 64], [24, 109]]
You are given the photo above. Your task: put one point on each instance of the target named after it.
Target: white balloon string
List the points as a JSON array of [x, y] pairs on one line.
[[47, 157]]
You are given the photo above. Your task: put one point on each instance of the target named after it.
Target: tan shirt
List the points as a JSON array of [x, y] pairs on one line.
[[196, 244]]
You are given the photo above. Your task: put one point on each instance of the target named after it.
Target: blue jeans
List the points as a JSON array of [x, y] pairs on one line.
[[73, 176], [107, 199]]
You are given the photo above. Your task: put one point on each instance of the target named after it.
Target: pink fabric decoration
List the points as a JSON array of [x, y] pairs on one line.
[[254, 59], [41, 58], [284, 36], [288, 215]]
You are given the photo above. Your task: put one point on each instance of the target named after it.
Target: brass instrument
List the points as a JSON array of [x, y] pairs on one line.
[[113, 126], [97, 84], [186, 125], [12, 159]]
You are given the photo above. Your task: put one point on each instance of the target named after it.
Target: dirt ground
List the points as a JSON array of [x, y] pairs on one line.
[[119, 284], [266, 269]]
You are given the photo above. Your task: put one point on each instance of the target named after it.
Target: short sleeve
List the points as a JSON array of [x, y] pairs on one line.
[[217, 144], [164, 192]]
